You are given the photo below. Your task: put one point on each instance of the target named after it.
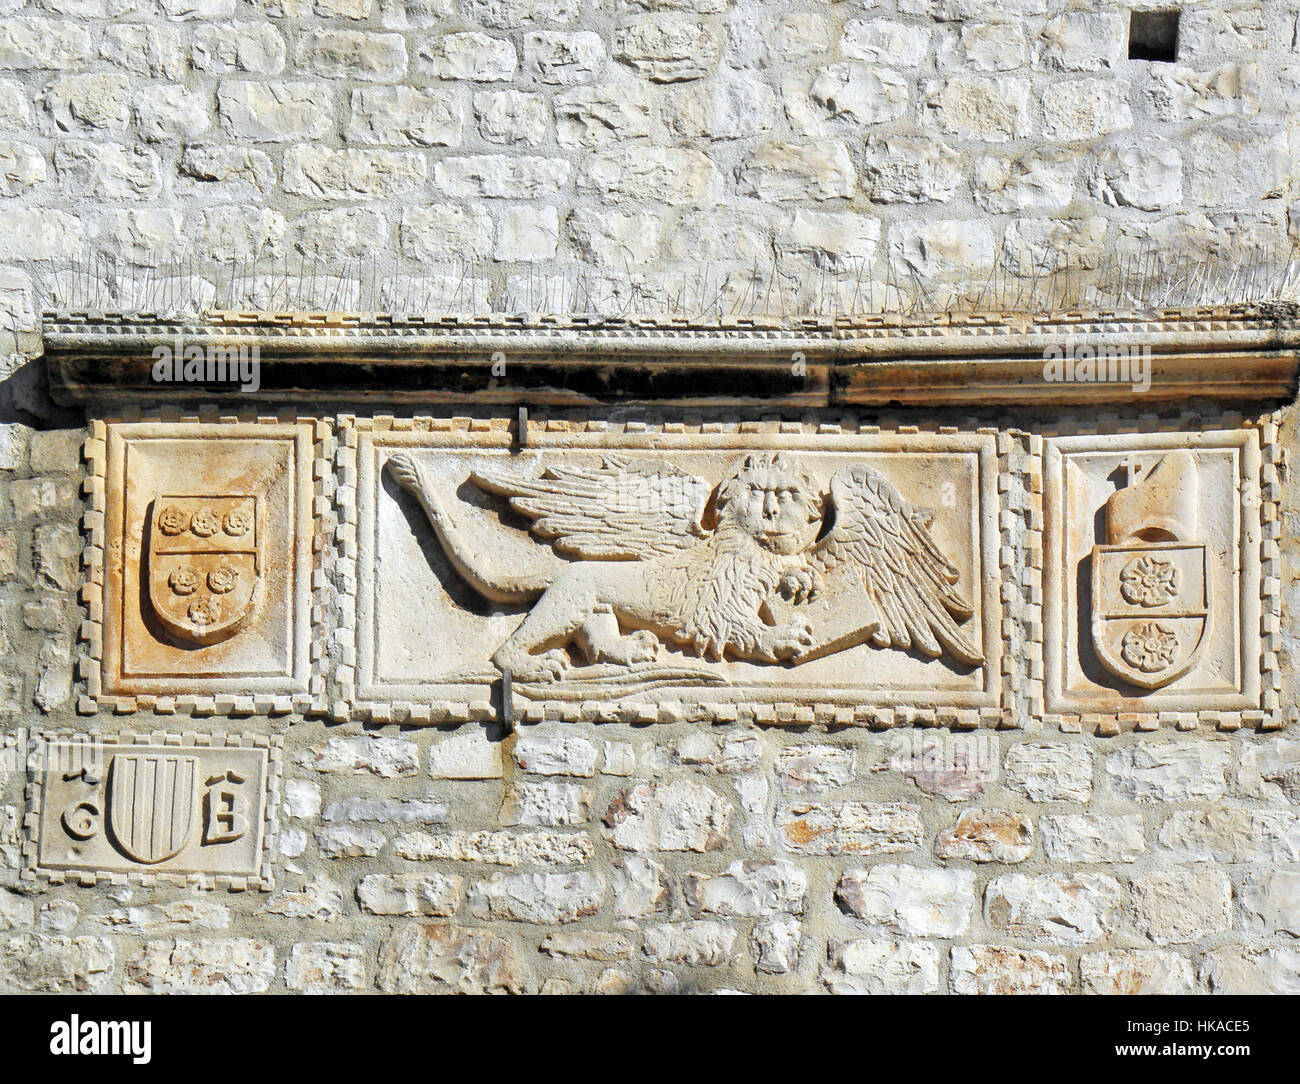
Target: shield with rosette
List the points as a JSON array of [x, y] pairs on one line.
[[1150, 610], [151, 803], [203, 564]]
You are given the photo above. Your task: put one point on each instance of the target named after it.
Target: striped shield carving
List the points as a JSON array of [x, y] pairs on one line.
[[151, 808]]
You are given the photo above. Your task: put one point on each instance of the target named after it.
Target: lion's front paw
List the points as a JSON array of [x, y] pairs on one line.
[[799, 585], [783, 642], [548, 666]]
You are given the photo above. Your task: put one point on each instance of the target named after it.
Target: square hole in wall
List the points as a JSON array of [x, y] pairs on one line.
[[1153, 35]]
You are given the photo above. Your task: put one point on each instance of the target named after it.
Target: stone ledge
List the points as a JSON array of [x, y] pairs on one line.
[[1224, 354]]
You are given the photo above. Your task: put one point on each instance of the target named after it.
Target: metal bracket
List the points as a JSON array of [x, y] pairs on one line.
[[521, 431], [507, 697]]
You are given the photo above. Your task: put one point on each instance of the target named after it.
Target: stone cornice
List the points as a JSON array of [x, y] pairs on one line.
[[1227, 354]]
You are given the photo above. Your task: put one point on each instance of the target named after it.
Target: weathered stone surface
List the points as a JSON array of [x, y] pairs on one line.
[[411, 894], [1062, 909], [701, 943], [501, 176], [753, 887], [910, 901], [668, 48], [1050, 772], [994, 969], [239, 965], [1270, 901], [1169, 772], [883, 41], [388, 758], [437, 958], [1237, 969], [469, 753], [1136, 971], [1271, 770], [1236, 161], [882, 966], [564, 58], [1183, 93], [326, 967], [257, 48], [775, 945], [789, 171], [597, 116], [954, 766], [990, 108], [850, 827], [814, 767], [642, 887], [56, 965], [674, 816], [1231, 835], [846, 95], [1147, 175], [902, 169], [471, 56], [348, 841], [1182, 904], [555, 754], [987, 835], [320, 900], [323, 173], [511, 116], [1040, 179], [731, 754], [548, 803], [653, 174], [1085, 109], [266, 112], [735, 107], [1082, 41], [1093, 837], [405, 116], [352, 54], [498, 848], [544, 898], [588, 945], [170, 917]]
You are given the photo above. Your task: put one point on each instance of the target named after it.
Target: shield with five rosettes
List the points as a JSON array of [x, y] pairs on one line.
[[203, 563]]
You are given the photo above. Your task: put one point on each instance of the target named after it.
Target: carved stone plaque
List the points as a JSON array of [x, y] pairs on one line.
[[207, 560], [1153, 579], [194, 809], [615, 569]]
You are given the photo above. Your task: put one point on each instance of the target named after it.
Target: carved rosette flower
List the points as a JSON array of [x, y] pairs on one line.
[[173, 520], [1149, 647], [223, 579], [205, 523], [238, 521], [183, 580], [1149, 581], [203, 611]]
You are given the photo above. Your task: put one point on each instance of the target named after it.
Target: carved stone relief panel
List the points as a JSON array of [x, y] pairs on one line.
[[794, 572], [193, 809], [205, 586], [1154, 585]]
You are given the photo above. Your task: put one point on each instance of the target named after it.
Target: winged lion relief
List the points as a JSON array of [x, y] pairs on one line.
[[646, 568]]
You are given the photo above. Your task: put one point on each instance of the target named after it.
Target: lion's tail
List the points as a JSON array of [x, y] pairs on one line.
[[466, 558]]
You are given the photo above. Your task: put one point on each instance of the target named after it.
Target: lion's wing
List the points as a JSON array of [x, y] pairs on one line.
[[905, 574], [623, 510]]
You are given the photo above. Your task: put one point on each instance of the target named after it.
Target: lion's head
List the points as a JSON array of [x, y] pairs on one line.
[[771, 499]]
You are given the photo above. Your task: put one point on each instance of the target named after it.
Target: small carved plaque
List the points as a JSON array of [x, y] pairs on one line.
[[161, 806], [1153, 572], [842, 570], [207, 560]]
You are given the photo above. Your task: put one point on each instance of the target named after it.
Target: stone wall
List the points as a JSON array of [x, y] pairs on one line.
[[903, 147], [894, 144]]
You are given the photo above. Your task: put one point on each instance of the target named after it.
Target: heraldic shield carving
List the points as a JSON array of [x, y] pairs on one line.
[[1150, 582], [203, 565], [152, 798]]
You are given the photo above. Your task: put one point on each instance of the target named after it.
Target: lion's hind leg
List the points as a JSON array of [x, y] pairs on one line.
[[535, 651], [602, 640]]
